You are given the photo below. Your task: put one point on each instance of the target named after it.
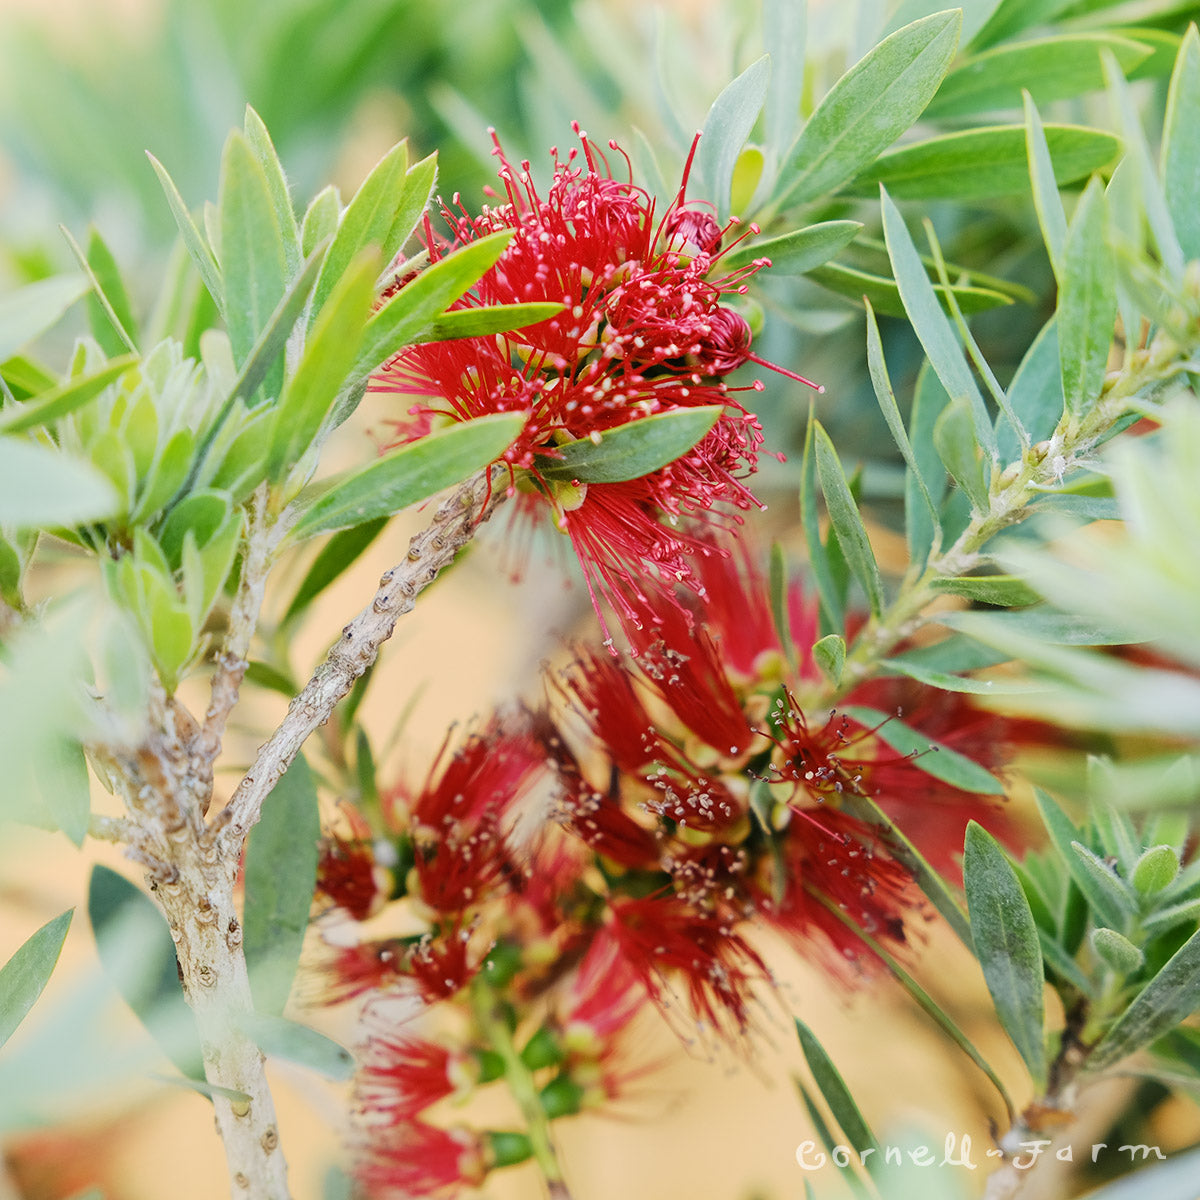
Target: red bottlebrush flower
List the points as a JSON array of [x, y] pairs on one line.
[[457, 822], [643, 330], [831, 859], [351, 971], [443, 964], [603, 996], [402, 1076], [414, 1158], [346, 875], [663, 936]]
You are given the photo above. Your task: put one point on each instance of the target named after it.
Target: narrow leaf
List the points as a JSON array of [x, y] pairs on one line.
[[1044, 180], [41, 487], [407, 316], [26, 974], [1064, 835], [31, 310], [1050, 68], [336, 555], [66, 398], [1035, 394], [110, 311], [280, 874], [954, 440], [1007, 945], [632, 450], [930, 324], [726, 128], [1172, 995], [796, 253], [1180, 166], [409, 474], [829, 653], [885, 296], [869, 107], [835, 1092], [981, 164], [62, 778], [253, 259], [478, 322], [1005, 591], [891, 414], [383, 213], [150, 985], [259, 141], [941, 761], [328, 355], [1087, 302], [280, 1038], [784, 25], [844, 515], [193, 240], [832, 603]]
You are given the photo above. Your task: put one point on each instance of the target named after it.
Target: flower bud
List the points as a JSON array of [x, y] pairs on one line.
[[1156, 868], [1117, 951]]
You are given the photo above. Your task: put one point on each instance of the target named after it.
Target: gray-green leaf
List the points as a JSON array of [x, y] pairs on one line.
[[1007, 944]]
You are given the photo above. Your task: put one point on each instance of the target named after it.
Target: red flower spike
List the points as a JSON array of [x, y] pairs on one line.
[[402, 1076], [603, 996], [643, 330], [441, 965], [413, 1158], [368, 966], [346, 876], [663, 937]]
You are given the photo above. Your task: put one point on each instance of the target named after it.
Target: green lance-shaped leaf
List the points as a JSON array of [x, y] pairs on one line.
[[837, 1095], [66, 398], [831, 596], [827, 1138], [954, 440], [280, 874], [1172, 995], [40, 487], [1064, 835], [632, 450], [1052, 68], [1006, 942], [846, 521], [407, 315], [1044, 179], [980, 164], [323, 369], [1087, 302], [383, 213], [1003, 591], [941, 761], [110, 311], [886, 398], [869, 107], [34, 308], [1180, 160], [829, 653], [798, 252], [779, 582], [409, 474], [933, 329], [1035, 394], [885, 297], [495, 318], [320, 219], [1155, 869], [785, 32], [25, 975], [150, 984], [922, 532], [253, 259], [336, 555], [1105, 881], [281, 1038], [193, 240], [726, 128], [259, 141]]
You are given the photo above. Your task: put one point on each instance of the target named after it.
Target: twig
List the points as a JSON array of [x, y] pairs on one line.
[[260, 542], [453, 526]]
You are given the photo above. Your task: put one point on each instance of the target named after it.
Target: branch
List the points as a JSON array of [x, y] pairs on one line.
[[261, 539], [453, 526]]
